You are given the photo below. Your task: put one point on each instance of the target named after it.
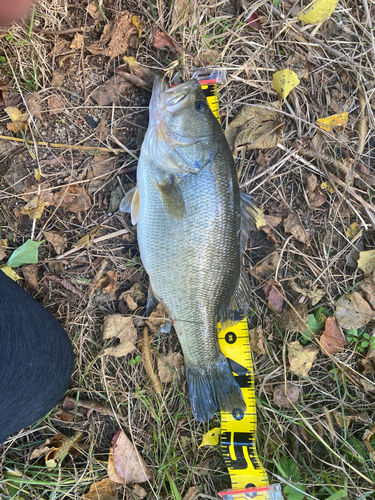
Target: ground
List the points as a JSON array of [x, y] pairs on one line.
[[314, 187]]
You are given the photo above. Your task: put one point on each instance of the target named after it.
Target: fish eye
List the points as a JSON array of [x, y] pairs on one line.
[[200, 106]]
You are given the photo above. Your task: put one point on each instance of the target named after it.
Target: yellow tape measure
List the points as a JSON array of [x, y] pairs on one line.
[[238, 429]]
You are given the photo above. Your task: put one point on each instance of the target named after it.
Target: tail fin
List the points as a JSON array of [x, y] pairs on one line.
[[213, 387]]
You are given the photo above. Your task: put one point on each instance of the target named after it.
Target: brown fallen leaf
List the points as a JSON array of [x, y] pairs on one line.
[[293, 225], [275, 298], [30, 273], [312, 292], [266, 267], [117, 326], [58, 78], [258, 126], [56, 449], [181, 10], [301, 358], [118, 35], [161, 39], [110, 92], [170, 366], [55, 105], [77, 42], [298, 63], [273, 220], [18, 120], [34, 209], [352, 311], [125, 465], [101, 132], [368, 287], [366, 262], [138, 492], [101, 166], [66, 284], [94, 12], [70, 403], [146, 76], [157, 318], [33, 105], [73, 198], [191, 493], [368, 365], [101, 490], [207, 58], [57, 240], [288, 398], [134, 297], [64, 416], [315, 196], [132, 275], [108, 283], [295, 319], [3, 246], [257, 340], [87, 239], [333, 339]]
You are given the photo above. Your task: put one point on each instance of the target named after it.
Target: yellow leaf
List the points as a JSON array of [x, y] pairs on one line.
[[366, 261], [139, 24], [15, 114], [284, 82], [211, 438], [9, 272], [352, 230], [34, 208], [319, 10], [327, 187], [37, 173], [260, 220], [130, 61], [87, 239], [17, 126], [333, 121]]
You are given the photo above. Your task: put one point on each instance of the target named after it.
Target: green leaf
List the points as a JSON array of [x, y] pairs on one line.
[[352, 333], [290, 468], [336, 496], [314, 326], [365, 343], [292, 493], [366, 336], [25, 254]]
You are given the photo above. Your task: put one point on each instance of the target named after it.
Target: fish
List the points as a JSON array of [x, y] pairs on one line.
[[193, 224]]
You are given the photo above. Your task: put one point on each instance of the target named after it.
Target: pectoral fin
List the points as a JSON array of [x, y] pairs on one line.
[[130, 203], [172, 198]]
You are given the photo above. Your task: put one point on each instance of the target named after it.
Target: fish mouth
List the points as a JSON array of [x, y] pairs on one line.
[[172, 99]]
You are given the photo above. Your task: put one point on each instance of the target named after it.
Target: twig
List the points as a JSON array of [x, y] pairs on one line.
[[148, 362], [66, 284], [362, 126], [95, 240]]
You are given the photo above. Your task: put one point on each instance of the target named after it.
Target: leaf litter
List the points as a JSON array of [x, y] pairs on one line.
[[117, 326]]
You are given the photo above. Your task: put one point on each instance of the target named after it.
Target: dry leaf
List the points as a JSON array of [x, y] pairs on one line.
[[328, 187], [139, 75], [368, 287], [57, 448], [57, 240], [257, 340], [32, 103], [206, 58], [284, 82], [170, 366], [117, 326], [30, 273], [366, 262], [313, 293], [257, 126], [191, 493], [286, 399], [181, 10], [125, 465], [110, 92], [58, 78], [138, 492], [88, 238], [315, 196], [352, 311], [17, 127], [298, 63], [118, 35], [74, 198], [275, 298], [55, 105], [3, 246], [352, 230], [264, 268], [134, 297], [259, 218], [108, 283], [15, 114], [9, 272], [294, 226], [100, 166], [211, 438], [157, 318], [94, 12], [301, 358], [295, 319], [77, 42], [319, 10], [149, 363], [101, 490], [333, 121], [161, 39], [34, 208]]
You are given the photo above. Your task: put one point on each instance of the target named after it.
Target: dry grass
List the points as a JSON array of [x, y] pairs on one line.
[[330, 458]]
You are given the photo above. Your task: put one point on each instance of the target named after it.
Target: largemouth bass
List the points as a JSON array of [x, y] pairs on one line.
[[193, 225]]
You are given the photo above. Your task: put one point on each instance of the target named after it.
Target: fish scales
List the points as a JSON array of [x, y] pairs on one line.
[[188, 209]]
